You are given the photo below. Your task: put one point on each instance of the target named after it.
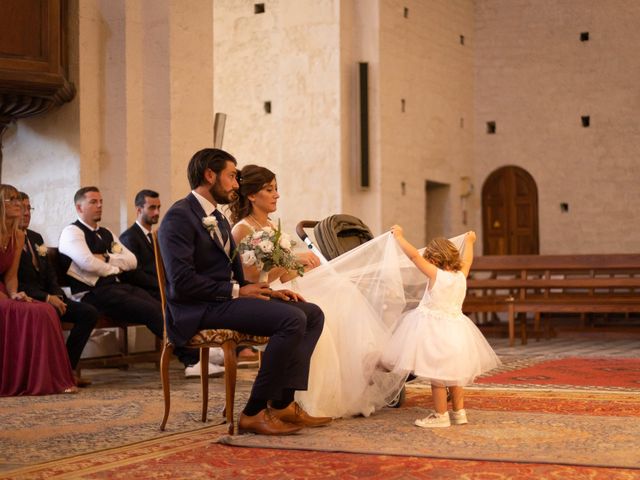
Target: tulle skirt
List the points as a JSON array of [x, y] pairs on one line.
[[346, 377], [442, 347]]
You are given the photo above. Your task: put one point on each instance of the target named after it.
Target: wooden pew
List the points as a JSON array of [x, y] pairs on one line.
[[124, 358], [521, 284]]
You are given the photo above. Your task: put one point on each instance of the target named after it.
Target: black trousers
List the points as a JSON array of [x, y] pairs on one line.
[[84, 318], [130, 304], [293, 328]]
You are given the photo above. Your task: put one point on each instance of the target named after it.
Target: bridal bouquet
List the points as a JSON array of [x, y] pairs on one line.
[[269, 248]]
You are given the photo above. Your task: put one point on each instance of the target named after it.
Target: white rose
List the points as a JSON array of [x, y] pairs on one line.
[[268, 230], [257, 235], [209, 222], [266, 246], [285, 241], [248, 257], [116, 248], [42, 250]]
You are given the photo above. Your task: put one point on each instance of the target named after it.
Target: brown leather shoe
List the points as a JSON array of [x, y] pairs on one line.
[[265, 423], [296, 415]]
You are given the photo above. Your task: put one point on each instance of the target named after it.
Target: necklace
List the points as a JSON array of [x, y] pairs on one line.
[[4, 245], [256, 222]]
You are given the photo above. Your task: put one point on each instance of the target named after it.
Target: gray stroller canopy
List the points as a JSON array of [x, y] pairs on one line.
[[338, 234]]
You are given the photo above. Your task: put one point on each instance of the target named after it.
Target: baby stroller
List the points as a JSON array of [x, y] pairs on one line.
[[336, 235]]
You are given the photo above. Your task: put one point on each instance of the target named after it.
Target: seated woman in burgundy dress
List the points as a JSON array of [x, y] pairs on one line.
[[33, 357]]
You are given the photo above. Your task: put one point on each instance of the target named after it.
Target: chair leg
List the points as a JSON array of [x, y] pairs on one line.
[[230, 372], [165, 359], [511, 325], [204, 381]]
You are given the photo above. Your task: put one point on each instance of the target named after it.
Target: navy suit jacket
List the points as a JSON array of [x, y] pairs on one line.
[[145, 273], [198, 271], [37, 283]]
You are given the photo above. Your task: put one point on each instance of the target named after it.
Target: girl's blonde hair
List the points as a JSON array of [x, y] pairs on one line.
[[6, 229], [443, 254]]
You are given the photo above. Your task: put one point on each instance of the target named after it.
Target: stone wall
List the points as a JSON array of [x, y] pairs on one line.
[[288, 56], [535, 78], [144, 106], [426, 104]]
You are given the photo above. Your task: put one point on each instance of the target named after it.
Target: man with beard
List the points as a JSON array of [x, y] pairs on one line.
[[138, 239], [94, 259], [206, 289]]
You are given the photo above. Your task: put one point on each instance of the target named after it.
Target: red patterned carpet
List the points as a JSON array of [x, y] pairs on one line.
[[589, 387], [195, 455], [590, 372]]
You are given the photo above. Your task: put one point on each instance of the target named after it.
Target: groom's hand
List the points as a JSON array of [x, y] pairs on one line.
[[256, 290], [287, 295]]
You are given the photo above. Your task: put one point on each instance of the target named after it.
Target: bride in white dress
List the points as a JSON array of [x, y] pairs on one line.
[[362, 293]]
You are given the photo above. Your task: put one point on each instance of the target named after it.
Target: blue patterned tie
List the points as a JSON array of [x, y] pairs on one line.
[[222, 226]]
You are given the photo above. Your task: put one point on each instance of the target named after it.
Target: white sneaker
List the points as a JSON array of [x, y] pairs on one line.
[[434, 420], [216, 356], [194, 370], [458, 417]]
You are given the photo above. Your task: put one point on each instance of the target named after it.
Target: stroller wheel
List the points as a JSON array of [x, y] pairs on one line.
[[399, 399]]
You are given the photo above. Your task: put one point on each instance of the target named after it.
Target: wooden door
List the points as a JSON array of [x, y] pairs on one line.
[[510, 213]]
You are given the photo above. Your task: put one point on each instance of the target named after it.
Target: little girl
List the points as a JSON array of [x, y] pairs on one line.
[[437, 341]]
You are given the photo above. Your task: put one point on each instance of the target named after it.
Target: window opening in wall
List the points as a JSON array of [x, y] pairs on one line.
[[258, 8], [586, 120], [461, 39], [403, 188], [267, 107], [438, 211], [402, 105], [564, 207], [491, 127], [584, 36], [406, 12], [461, 122]]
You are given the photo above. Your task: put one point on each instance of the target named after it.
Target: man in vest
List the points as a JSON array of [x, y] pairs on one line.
[[94, 258]]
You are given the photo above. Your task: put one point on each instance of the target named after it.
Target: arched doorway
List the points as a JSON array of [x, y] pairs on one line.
[[510, 213]]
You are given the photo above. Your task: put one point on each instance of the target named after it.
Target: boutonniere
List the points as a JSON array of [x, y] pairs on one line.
[[41, 250], [115, 248], [210, 223]]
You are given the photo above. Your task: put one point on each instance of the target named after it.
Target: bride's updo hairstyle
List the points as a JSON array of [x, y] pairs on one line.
[[443, 254], [252, 179]]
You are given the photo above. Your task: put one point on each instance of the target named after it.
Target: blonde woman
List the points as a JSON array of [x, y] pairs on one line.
[[33, 357]]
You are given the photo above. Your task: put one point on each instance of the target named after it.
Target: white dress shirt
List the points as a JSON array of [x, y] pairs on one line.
[[85, 267]]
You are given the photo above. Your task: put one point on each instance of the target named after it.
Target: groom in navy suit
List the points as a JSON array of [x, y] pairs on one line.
[[206, 289]]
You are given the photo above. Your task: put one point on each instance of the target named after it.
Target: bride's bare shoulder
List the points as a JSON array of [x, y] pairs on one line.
[[240, 230]]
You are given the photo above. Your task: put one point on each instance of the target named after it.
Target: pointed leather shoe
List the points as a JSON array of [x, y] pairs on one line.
[[296, 415], [265, 423]]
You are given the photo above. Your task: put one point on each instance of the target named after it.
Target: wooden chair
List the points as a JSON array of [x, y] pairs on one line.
[[122, 359], [229, 340]]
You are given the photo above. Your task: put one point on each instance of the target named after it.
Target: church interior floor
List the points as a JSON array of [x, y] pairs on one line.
[[129, 405]]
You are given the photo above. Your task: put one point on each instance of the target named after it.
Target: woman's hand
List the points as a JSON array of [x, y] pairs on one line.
[[397, 231], [21, 297], [308, 260]]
